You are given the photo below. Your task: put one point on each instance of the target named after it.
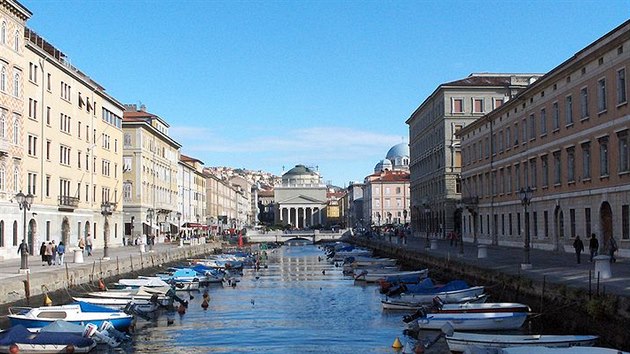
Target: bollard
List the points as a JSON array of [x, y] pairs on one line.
[[602, 266], [482, 251], [434, 244], [78, 256]]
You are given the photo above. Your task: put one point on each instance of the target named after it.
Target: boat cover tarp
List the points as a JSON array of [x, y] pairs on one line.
[[426, 286], [88, 307], [63, 326], [19, 334]]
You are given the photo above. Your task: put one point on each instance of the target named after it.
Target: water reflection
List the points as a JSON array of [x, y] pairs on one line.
[[298, 304]]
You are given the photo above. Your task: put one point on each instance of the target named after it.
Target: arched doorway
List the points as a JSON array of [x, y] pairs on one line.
[[86, 230], [65, 231], [558, 228], [32, 235], [606, 224], [457, 220]]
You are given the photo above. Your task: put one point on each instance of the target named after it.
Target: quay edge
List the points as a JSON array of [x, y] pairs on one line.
[[556, 307]]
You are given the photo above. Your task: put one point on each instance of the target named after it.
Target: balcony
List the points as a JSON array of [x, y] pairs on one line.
[[67, 203]]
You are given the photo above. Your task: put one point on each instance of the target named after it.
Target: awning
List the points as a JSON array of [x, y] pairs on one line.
[[193, 225], [147, 225]]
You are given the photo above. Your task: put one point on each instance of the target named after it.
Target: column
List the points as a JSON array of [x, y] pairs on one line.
[[303, 217]]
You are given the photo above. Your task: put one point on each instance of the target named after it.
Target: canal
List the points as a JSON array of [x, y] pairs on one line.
[[300, 303]]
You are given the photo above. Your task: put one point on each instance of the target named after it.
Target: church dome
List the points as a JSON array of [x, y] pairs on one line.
[[300, 175], [383, 165], [398, 151]]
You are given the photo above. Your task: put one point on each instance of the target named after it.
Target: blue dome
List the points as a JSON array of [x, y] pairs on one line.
[[399, 150]]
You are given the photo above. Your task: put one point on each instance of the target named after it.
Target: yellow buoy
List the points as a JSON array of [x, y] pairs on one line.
[[47, 301], [397, 344]]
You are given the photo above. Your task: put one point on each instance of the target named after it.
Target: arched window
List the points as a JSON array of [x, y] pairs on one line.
[[16, 85], [3, 32], [3, 79], [16, 44], [3, 119], [16, 130], [3, 184], [16, 179], [15, 239], [1, 233]]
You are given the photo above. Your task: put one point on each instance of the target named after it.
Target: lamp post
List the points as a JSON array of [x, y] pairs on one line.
[[526, 196], [150, 214], [106, 210], [405, 217], [24, 202]]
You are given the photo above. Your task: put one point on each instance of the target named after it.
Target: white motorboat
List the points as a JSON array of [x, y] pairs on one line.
[[544, 350], [152, 282], [476, 321], [79, 313], [454, 296], [459, 341], [371, 276]]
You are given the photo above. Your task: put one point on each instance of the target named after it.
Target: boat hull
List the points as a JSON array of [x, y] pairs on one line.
[[460, 342], [447, 297], [488, 321]]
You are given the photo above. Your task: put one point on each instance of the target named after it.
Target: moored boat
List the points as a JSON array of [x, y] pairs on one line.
[[43, 342], [476, 321], [460, 342], [397, 304], [371, 276], [79, 313], [544, 350]]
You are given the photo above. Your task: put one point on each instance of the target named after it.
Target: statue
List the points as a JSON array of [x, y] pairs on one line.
[[23, 250]]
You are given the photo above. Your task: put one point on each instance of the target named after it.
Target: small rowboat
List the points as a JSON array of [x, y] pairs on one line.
[[79, 313], [446, 296], [376, 275], [391, 304], [544, 350], [459, 342]]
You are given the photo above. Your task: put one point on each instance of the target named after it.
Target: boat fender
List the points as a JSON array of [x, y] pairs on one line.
[[101, 285], [14, 349], [69, 348], [204, 304]]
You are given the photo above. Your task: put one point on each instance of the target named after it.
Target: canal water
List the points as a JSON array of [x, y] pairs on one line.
[[300, 303]]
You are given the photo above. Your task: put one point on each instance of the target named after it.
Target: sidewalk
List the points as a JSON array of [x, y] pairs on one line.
[[554, 267]]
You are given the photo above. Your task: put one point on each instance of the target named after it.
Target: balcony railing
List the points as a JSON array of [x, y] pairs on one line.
[[67, 203]]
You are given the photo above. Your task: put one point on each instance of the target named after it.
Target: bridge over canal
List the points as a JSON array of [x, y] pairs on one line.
[[314, 236]]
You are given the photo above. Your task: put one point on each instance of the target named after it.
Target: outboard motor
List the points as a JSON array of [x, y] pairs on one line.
[[420, 313]]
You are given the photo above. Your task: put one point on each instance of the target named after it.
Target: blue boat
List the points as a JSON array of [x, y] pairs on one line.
[[43, 342], [80, 313]]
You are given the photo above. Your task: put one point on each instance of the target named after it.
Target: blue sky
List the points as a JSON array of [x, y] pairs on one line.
[[264, 85]]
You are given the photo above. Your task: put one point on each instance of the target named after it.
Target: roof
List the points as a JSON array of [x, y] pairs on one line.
[[300, 170]]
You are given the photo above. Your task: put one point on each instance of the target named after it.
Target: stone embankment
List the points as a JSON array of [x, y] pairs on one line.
[[58, 282], [559, 303]]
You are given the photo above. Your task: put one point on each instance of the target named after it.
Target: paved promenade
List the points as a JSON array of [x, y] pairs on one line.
[[555, 267]]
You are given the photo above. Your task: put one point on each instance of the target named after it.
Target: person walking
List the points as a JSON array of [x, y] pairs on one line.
[[54, 253], [593, 246], [579, 247], [88, 244], [612, 248], [42, 252], [49, 253], [61, 252]]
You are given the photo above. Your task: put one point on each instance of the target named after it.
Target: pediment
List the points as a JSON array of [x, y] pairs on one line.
[[301, 199]]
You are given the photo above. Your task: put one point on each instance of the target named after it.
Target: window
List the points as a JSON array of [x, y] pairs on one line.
[[543, 121], [3, 39], [16, 128], [532, 126], [16, 85], [16, 41], [47, 115], [524, 131], [621, 86], [3, 79], [532, 168], [47, 186], [625, 222], [586, 161], [32, 145], [64, 155], [31, 183], [32, 72], [16, 179], [587, 221], [515, 134], [48, 143], [517, 175], [557, 176], [546, 221], [568, 113], [603, 157], [584, 103], [32, 108], [3, 179], [544, 163], [508, 189], [601, 95], [572, 222], [624, 156], [457, 105], [48, 82], [571, 164], [477, 105], [498, 102], [508, 138], [555, 116], [3, 123]]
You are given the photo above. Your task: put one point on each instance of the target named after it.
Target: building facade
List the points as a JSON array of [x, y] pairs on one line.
[[191, 186], [301, 199], [435, 148], [150, 165], [564, 139]]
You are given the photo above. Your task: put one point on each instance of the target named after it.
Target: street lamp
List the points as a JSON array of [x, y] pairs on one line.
[[24, 202], [106, 210], [150, 214], [526, 196]]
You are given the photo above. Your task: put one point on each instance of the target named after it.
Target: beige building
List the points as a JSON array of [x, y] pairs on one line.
[[191, 210], [73, 160], [244, 213], [150, 189], [221, 203], [435, 149], [566, 138], [13, 68]]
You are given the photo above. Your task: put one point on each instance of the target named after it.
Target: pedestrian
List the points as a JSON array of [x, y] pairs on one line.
[[54, 253], [88, 244], [579, 247], [593, 246], [49, 253], [42, 252], [612, 248], [61, 252], [81, 244]]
